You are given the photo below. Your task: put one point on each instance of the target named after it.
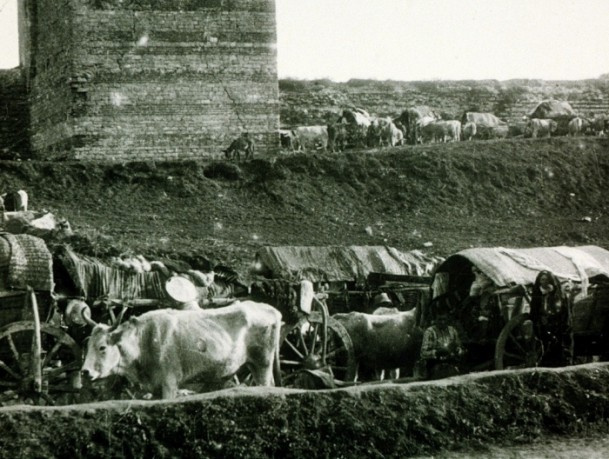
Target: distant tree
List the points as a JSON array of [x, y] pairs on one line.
[[604, 76]]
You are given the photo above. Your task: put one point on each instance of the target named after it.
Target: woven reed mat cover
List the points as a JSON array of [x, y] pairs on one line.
[[28, 262]]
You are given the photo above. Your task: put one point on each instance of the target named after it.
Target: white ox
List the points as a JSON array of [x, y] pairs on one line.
[[469, 130], [312, 137], [384, 132], [383, 341], [540, 127], [166, 349], [441, 131], [577, 126]]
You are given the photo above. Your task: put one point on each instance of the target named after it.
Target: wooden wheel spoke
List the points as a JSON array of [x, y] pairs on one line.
[[333, 352], [6, 368], [47, 398], [514, 356], [314, 338], [302, 341], [290, 362], [7, 395], [15, 352], [298, 353], [515, 341], [8, 384], [64, 388], [73, 366], [51, 354]]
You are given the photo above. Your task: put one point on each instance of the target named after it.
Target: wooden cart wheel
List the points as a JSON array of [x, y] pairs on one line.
[[302, 348], [60, 363], [517, 346]]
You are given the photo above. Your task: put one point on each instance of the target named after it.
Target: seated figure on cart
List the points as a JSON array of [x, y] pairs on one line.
[[441, 350], [550, 316]]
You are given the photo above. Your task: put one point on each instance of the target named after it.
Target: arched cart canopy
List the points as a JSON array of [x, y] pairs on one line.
[[341, 263], [507, 267]]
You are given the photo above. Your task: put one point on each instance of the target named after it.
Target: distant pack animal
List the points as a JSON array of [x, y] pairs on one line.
[[485, 122], [383, 132], [313, 137], [338, 137], [469, 130], [165, 349], [384, 341], [540, 128], [288, 139], [243, 144], [411, 120], [500, 131], [577, 126], [441, 131], [358, 122]]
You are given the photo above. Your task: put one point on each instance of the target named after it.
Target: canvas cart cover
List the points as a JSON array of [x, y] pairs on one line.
[[95, 279], [507, 267], [25, 260], [340, 263], [553, 109]]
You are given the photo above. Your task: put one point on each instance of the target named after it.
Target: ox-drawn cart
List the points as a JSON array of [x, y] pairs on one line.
[[489, 292], [345, 279]]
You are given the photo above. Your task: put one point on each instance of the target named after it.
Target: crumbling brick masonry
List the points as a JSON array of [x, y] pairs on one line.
[[126, 80]]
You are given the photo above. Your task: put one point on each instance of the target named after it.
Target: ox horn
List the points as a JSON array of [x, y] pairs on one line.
[[86, 315], [119, 319]]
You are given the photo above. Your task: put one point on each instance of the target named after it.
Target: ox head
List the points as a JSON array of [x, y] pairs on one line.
[[106, 349]]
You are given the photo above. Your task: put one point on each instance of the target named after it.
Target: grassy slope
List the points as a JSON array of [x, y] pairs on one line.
[[513, 193]]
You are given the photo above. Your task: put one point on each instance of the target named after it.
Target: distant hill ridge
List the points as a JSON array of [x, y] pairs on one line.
[[306, 102]]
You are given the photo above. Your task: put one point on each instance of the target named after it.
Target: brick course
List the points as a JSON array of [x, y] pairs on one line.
[[145, 79]]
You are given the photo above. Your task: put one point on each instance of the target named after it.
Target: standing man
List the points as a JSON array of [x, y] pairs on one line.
[[441, 350]]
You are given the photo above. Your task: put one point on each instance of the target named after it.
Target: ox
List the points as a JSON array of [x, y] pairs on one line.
[[500, 131], [578, 126], [358, 122], [165, 349], [469, 130], [338, 136], [288, 140], [441, 131], [540, 128], [383, 132], [487, 125], [381, 341], [242, 144], [412, 118], [312, 137]]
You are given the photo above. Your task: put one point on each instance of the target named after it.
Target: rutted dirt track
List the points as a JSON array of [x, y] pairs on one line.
[[515, 193]]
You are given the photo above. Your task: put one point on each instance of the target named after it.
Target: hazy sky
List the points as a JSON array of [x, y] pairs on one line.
[[424, 39]]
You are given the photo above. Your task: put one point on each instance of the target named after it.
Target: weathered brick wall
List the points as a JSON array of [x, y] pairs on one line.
[[318, 102], [50, 67], [145, 79], [14, 136]]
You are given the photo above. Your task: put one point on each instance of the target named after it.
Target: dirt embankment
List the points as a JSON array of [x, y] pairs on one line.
[[462, 413], [515, 193]]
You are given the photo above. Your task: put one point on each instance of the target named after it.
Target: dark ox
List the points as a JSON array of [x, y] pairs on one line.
[[165, 349], [384, 340], [242, 144]]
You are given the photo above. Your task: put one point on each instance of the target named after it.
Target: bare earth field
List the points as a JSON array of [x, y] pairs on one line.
[[514, 193]]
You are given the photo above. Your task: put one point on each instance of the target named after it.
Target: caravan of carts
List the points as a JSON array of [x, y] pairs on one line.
[[50, 298]]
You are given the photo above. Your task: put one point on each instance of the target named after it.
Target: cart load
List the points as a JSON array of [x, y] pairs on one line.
[[352, 275], [488, 291]]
